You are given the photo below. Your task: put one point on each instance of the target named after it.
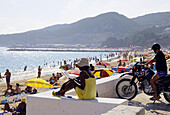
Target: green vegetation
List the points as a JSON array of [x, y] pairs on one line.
[[145, 37], [113, 43]]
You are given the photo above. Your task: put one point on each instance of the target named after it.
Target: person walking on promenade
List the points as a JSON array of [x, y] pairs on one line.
[[39, 72], [8, 76], [161, 68]]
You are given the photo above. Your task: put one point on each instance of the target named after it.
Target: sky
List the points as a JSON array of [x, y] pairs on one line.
[[18, 16]]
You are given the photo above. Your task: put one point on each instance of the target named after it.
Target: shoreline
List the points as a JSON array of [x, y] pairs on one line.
[[32, 74], [65, 50]]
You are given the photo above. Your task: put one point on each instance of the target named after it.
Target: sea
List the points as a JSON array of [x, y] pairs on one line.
[[15, 61]]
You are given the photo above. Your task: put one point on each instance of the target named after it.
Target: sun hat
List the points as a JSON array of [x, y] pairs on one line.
[[83, 62]]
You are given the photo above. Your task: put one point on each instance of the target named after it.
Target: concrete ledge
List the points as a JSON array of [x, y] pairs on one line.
[[46, 104], [106, 87], [126, 110]]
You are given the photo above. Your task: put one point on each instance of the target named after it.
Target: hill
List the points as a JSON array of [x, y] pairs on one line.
[[93, 30], [149, 20], [142, 38], [149, 36]]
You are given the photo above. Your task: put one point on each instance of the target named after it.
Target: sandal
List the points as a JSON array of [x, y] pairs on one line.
[[154, 98]]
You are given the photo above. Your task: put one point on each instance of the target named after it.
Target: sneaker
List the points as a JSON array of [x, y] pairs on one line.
[[57, 94]]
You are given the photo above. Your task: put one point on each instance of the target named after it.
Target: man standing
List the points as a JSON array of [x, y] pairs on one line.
[[39, 72], [7, 75]]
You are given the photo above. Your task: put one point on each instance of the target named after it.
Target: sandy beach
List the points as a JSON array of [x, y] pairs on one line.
[[47, 77]]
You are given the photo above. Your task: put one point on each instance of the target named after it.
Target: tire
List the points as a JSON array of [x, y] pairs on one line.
[[167, 97], [121, 89]]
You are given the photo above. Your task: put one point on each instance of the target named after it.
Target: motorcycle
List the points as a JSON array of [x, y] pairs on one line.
[[126, 88]]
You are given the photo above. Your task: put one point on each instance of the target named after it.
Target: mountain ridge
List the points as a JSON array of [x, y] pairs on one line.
[[91, 30]]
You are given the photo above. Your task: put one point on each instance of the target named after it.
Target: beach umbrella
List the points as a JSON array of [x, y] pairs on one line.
[[75, 72], [114, 68], [104, 63], [38, 82], [66, 67], [122, 60], [121, 68], [102, 73]]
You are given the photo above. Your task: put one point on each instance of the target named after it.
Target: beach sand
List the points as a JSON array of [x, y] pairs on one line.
[[46, 77], [23, 86]]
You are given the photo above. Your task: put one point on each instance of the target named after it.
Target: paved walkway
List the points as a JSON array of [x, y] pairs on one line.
[[161, 107]]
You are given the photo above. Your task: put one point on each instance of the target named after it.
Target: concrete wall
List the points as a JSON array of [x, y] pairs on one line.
[[43, 105], [46, 104]]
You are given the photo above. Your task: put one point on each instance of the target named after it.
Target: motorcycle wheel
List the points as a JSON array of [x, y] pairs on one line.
[[125, 90], [167, 97]]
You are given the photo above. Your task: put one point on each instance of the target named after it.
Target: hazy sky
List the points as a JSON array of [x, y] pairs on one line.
[[23, 15]]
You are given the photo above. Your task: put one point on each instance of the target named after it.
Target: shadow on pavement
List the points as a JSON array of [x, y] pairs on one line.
[[152, 107]]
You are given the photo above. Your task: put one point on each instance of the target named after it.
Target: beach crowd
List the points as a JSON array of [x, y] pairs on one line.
[[87, 67]]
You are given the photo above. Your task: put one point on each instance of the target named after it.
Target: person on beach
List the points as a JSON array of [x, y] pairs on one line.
[[7, 107], [11, 92], [120, 63], [85, 84], [21, 108], [91, 67], [25, 68], [29, 90], [0, 76], [53, 79], [8, 76], [58, 76], [124, 64], [100, 65], [161, 68], [39, 72], [18, 89]]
